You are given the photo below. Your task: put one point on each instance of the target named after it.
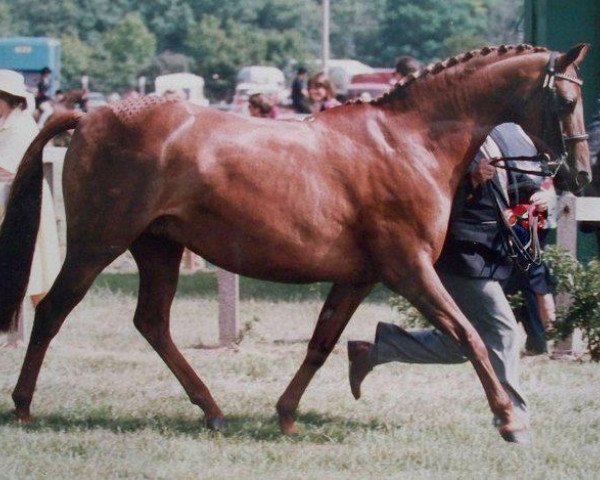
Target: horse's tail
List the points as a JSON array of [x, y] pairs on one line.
[[22, 220]]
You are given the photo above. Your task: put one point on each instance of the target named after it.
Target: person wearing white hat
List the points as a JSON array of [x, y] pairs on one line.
[[17, 131]]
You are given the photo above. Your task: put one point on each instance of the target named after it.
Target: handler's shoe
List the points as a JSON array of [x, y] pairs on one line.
[[359, 365]]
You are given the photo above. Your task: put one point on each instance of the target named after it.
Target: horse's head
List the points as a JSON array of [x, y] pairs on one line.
[[553, 113]]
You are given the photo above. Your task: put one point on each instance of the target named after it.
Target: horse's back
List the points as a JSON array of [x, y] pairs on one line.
[[251, 195]]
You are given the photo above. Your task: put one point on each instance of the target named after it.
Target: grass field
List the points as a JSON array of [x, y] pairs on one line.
[[107, 407]]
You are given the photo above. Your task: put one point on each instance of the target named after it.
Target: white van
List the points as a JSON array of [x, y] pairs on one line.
[[188, 86]]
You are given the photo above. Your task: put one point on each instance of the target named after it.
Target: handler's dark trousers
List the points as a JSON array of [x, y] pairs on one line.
[[483, 302]]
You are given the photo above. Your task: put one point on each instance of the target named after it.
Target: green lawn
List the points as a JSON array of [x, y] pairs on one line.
[[107, 407]]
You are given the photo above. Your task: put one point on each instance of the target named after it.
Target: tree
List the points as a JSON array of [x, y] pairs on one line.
[[76, 60], [430, 29], [356, 29], [169, 20], [130, 47], [222, 48], [118, 39], [5, 21]]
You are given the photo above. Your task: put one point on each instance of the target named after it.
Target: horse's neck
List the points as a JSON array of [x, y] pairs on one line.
[[455, 116]]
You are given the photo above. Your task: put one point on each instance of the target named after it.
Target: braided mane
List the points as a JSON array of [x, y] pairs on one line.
[[435, 68]]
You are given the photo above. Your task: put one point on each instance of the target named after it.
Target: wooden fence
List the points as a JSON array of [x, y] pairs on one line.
[[572, 209]]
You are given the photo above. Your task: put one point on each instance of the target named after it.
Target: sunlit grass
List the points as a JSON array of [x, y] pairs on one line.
[[107, 407]]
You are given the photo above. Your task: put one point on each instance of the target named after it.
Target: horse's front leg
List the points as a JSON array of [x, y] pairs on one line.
[[341, 303], [424, 289]]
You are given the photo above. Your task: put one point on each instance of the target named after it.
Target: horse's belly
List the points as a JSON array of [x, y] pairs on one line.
[[271, 257]]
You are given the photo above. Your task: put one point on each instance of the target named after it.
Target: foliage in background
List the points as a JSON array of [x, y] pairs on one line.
[[130, 47], [114, 42], [411, 317], [582, 283]]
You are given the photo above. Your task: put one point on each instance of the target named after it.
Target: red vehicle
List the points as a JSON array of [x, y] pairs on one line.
[[371, 85]]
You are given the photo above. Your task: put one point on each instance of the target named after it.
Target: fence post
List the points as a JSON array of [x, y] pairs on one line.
[[229, 289], [566, 237]]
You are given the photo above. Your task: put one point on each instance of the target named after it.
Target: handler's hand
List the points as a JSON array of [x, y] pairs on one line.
[[482, 172], [541, 200]]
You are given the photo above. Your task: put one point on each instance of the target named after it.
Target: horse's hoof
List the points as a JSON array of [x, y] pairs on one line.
[[287, 424], [216, 424], [23, 417], [519, 437]]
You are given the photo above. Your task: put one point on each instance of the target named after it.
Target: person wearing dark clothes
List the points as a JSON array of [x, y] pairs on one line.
[[471, 266], [43, 87], [405, 65], [300, 92]]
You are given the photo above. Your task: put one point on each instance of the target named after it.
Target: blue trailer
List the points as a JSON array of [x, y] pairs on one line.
[[28, 55]]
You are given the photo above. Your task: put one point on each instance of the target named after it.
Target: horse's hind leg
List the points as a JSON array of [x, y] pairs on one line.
[[158, 261], [75, 278], [341, 303]]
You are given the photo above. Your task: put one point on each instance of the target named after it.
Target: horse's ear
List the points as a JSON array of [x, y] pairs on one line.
[[574, 56]]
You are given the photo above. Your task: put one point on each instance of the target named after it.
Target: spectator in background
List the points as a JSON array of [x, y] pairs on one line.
[[173, 95], [405, 65], [43, 87], [43, 102], [321, 93], [131, 94], [260, 106], [17, 131], [300, 92]]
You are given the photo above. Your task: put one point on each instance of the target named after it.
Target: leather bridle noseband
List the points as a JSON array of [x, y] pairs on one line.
[[551, 121]]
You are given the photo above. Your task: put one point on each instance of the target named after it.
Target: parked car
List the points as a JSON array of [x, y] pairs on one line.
[[188, 86], [370, 85]]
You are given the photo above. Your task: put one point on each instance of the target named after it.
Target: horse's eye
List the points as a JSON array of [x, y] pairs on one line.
[[566, 105]]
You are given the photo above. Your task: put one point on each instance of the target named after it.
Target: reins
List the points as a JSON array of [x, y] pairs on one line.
[[525, 254]]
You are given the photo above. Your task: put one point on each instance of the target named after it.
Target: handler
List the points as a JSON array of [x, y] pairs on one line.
[[472, 263]]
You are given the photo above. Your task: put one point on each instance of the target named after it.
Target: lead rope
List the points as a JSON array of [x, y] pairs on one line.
[[522, 255]]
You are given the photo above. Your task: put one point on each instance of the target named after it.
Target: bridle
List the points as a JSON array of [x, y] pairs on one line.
[[525, 254], [552, 127]]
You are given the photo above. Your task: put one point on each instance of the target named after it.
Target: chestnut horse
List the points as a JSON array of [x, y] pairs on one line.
[[356, 195]]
